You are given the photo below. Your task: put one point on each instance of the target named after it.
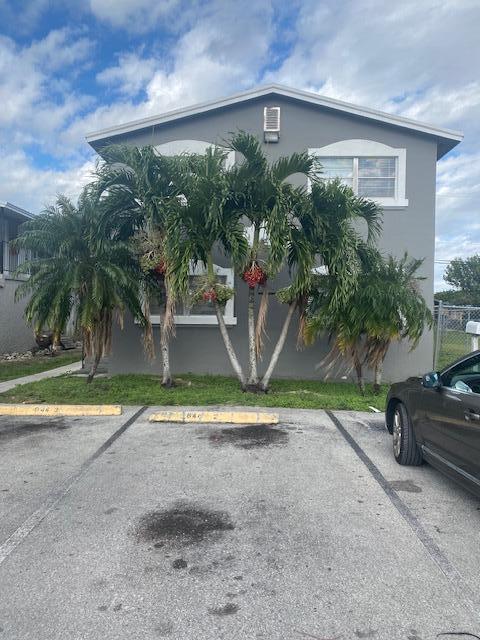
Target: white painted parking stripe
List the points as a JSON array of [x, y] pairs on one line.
[[457, 582], [54, 498]]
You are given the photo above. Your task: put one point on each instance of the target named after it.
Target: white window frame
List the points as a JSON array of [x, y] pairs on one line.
[[369, 148], [207, 320]]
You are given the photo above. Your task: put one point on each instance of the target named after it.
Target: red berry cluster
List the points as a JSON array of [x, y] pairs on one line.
[[209, 296], [161, 267], [254, 275]]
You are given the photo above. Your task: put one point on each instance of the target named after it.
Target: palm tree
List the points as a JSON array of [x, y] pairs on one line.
[[79, 267], [393, 308], [385, 305], [264, 196], [203, 221], [137, 185], [322, 226]]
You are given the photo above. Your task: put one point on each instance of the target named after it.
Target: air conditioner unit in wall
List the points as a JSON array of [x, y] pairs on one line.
[[271, 124]]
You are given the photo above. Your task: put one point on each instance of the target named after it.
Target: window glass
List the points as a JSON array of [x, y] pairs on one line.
[[376, 177], [465, 376], [370, 177], [199, 308], [376, 167], [376, 187], [338, 168], [156, 308], [186, 307]]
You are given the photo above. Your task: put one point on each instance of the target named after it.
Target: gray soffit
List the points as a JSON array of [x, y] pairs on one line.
[[13, 211], [447, 139]]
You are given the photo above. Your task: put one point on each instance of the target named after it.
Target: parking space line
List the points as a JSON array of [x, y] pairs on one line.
[[17, 537], [455, 578]]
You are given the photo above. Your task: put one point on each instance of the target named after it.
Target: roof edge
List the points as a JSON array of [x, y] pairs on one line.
[[306, 96], [15, 209]]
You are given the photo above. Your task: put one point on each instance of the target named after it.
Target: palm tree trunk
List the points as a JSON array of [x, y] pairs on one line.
[[252, 382], [377, 384], [166, 328], [55, 343], [278, 347], [93, 369], [165, 351], [224, 331], [359, 371], [229, 346]]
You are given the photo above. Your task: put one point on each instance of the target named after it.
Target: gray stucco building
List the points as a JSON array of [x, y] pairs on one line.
[[382, 156], [15, 335]]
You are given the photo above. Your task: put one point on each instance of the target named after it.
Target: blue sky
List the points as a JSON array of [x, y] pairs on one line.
[[70, 68]]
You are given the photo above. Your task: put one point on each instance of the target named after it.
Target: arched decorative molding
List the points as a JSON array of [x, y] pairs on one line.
[[177, 147], [357, 148]]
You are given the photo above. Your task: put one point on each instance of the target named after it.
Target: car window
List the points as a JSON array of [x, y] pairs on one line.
[[464, 376]]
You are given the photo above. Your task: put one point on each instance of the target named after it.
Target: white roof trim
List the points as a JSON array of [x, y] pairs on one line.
[[15, 209], [306, 96]]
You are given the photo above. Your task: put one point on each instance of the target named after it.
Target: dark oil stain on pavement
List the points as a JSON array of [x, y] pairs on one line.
[[227, 610], [370, 633], [249, 437], [164, 629], [376, 425], [405, 485], [183, 524], [179, 563], [17, 429]]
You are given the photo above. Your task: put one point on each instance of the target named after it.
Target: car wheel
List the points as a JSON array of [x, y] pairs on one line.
[[405, 447]]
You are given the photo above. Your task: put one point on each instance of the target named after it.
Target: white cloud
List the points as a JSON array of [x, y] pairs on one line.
[[33, 105], [130, 75], [220, 54], [60, 48], [133, 15], [24, 18], [32, 188], [457, 219], [418, 59], [370, 49]]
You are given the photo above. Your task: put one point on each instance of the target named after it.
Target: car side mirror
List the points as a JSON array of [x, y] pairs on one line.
[[432, 380]]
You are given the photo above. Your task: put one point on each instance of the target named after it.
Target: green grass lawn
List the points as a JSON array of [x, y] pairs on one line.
[[18, 368], [195, 390], [454, 345]]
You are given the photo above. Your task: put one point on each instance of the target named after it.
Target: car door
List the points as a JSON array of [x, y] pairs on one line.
[[452, 417]]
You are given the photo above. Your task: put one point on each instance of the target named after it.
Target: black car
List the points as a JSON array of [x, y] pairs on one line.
[[437, 418]]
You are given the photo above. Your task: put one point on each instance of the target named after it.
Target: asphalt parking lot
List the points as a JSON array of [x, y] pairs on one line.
[[118, 528]]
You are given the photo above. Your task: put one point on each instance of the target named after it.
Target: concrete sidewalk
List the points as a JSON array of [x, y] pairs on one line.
[[51, 373]]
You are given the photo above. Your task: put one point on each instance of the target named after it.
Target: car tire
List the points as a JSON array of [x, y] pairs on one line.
[[405, 447]]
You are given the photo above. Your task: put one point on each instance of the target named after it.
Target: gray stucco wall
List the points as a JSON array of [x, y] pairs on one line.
[[412, 229], [15, 335]]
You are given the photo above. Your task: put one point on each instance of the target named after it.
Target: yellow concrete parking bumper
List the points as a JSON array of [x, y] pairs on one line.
[[60, 410], [234, 417]]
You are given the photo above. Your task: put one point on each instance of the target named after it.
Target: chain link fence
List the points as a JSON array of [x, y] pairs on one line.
[[451, 341]]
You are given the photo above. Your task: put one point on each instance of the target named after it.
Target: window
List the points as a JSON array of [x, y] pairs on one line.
[[338, 168], [376, 177], [11, 258], [188, 313], [464, 376], [372, 169]]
